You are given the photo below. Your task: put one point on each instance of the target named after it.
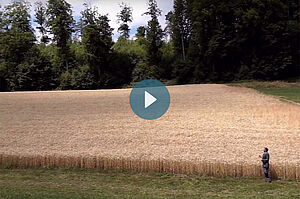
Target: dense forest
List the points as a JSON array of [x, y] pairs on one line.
[[204, 41]]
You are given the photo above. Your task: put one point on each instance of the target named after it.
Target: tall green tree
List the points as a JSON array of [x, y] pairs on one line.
[[61, 24], [180, 25], [97, 39], [154, 35], [169, 22], [41, 19], [16, 40], [124, 17]]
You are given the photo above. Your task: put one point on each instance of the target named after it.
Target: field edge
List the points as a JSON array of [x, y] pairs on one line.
[[144, 166]]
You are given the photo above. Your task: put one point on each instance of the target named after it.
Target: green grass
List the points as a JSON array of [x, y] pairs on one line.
[[292, 94], [47, 183], [282, 90]]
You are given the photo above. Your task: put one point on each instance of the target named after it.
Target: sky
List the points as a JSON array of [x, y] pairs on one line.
[[112, 8]]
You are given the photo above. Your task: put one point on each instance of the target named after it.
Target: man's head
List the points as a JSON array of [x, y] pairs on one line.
[[266, 149]]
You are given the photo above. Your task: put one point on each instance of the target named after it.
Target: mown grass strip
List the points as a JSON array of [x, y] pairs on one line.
[[58, 183], [283, 90]]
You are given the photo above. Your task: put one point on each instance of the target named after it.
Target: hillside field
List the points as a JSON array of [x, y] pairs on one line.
[[209, 129]]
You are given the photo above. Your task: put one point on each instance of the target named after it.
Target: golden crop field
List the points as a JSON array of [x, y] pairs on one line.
[[209, 129]]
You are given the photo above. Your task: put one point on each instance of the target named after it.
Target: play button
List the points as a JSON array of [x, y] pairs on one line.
[[150, 99]]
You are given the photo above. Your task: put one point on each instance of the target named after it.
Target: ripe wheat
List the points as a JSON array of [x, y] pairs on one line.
[[209, 129]]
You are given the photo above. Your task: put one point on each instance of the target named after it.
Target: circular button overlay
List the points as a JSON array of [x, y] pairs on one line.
[[150, 99]]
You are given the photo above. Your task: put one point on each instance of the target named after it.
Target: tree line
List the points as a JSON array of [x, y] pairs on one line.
[[204, 41]]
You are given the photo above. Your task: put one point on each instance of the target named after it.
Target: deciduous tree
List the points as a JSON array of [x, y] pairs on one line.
[[61, 24], [97, 39]]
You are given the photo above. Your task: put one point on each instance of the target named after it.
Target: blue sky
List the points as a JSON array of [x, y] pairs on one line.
[[111, 7]]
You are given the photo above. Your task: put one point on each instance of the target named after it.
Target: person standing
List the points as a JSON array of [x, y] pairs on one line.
[[265, 158]]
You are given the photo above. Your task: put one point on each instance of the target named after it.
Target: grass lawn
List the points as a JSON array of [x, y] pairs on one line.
[[283, 90], [55, 183], [292, 94]]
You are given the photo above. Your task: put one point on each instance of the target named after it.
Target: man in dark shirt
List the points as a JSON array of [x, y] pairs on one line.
[[265, 163]]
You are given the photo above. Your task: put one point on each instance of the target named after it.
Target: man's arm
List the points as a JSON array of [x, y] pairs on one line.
[[263, 159]]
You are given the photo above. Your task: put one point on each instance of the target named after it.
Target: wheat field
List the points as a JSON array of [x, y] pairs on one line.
[[209, 129]]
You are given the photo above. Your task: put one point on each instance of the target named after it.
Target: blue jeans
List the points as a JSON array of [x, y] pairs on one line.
[[266, 168]]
